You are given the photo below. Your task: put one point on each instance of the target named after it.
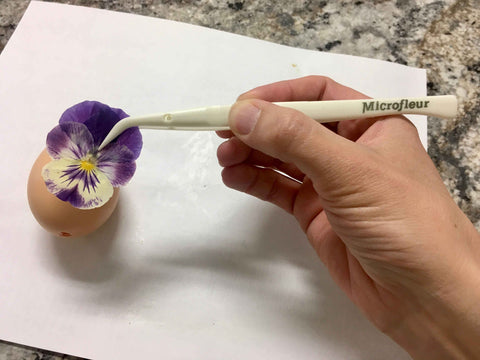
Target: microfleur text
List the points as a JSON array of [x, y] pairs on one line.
[[399, 105]]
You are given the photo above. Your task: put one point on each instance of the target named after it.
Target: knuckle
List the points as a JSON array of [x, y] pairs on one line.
[[272, 191], [290, 130], [318, 78], [264, 185], [252, 185]]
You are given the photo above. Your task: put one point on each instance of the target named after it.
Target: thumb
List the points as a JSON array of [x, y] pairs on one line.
[[290, 136]]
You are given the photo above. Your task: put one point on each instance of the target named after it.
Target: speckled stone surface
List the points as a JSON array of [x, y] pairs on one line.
[[441, 36]]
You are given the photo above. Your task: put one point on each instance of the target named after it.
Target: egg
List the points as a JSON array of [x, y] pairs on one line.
[[60, 217]]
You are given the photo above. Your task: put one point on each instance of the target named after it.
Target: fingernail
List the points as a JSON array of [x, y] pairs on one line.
[[244, 118]]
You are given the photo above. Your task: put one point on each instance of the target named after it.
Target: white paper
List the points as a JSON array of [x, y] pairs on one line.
[[186, 268]]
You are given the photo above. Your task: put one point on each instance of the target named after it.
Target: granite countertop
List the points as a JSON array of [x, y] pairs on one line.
[[442, 36]]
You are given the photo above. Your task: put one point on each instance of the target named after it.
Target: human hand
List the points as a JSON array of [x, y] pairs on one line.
[[372, 205]]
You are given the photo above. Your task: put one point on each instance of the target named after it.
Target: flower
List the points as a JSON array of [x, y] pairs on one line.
[[79, 173]]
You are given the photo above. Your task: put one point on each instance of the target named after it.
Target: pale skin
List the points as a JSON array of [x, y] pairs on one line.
[[374, 208]]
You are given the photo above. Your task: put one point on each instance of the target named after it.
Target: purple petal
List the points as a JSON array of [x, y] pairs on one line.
[[81, 112], [117, 162], [99, 119], [132, 139], [70, 195], [69, 140], [120, 113], [118, 174], [78, 113]]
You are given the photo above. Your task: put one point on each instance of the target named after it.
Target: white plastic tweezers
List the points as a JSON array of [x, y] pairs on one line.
[[216, 117]]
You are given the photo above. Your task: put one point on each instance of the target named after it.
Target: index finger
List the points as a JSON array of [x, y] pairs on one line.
[[310, 88], [315, 88]]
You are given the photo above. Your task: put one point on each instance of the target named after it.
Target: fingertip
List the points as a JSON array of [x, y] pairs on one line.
[[239, 177], [222, 153], [233, 177], [225, 153], [222, 174], [224, 134], [232, 152], [251, 94]]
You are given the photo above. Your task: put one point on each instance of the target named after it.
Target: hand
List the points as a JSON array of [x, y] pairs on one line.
[[372, 205]]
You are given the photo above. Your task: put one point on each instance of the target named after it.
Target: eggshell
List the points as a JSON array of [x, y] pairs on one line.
[[57, 216]]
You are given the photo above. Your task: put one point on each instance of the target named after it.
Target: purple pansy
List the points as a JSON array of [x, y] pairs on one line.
[[79, 173]]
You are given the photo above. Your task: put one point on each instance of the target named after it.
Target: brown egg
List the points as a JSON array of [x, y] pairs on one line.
[[57, 216]]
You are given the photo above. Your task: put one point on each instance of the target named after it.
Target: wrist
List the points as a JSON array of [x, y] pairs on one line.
[[445, 323], [440, 333]]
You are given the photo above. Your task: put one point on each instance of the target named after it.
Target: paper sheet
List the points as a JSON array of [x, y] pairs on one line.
[[185, 268]]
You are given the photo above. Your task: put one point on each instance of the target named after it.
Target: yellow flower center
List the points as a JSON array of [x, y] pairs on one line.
[[87, 165]]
